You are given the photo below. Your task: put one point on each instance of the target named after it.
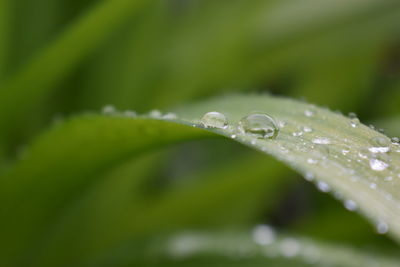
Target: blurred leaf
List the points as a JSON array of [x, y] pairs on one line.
[[4, 36], [240, 249], [34, 81]]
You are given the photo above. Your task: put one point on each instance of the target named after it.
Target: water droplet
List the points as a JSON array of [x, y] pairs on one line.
[[309, 176], [290, 247], [379, 149], [312, 161], [380, 141], [324, 187], [233, 136], [109, 109], [307, 129], [155, 113], [395, 140], [354, 122], [373, 185], [309, 113], [382, 227], [263, 235], [352, 115], [214, 119], [350, 205], [297, 134], [282, 124], [170, 116], [378, 165], [345, 152], [130, 113], [389, 178], [259, 125], [321, 141]]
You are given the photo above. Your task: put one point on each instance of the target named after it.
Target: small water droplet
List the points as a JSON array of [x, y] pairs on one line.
[[378, 165], [379, 149], [312, 161], [324, 187], [373, 185], [155, 113], [309, 176], [380, 141], [345, 152], [350, 205], [130, 113], [109, 110], [263, 235], [170, 116], [233, 136], [290, 247], [352, 115], [307, 129], [214, 119], [297, 134], [389, 178], [282, 124], [382, 227], [395, 140], [354, 122], [259, 125], [309, 113], [321, 141]]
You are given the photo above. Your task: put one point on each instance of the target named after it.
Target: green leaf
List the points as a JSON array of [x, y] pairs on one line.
[[64, 163], [33, 82], [241, 248]]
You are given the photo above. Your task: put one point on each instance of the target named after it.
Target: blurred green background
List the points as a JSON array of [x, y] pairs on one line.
[[60, 58]]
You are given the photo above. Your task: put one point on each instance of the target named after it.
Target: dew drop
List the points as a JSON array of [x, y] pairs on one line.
[[354, 122], [378, 165], [309, 176], [170, 116], [382, 227], [380, 141], [373, 185], [155, 113], [312, 161], [350, 205], [324, 187], [290, 247], [382, 149], [321, 141], [130, 113], [260, 125], [309, 113], [307, 129], [109, 109], [214, 119], [263, 235]]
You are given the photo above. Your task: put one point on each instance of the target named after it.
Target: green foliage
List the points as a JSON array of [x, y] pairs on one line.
[[81, 188]]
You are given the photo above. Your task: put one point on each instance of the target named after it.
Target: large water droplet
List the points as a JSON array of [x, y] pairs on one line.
[[378, 165], [263, 235], [260, 125], [214, 119]]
